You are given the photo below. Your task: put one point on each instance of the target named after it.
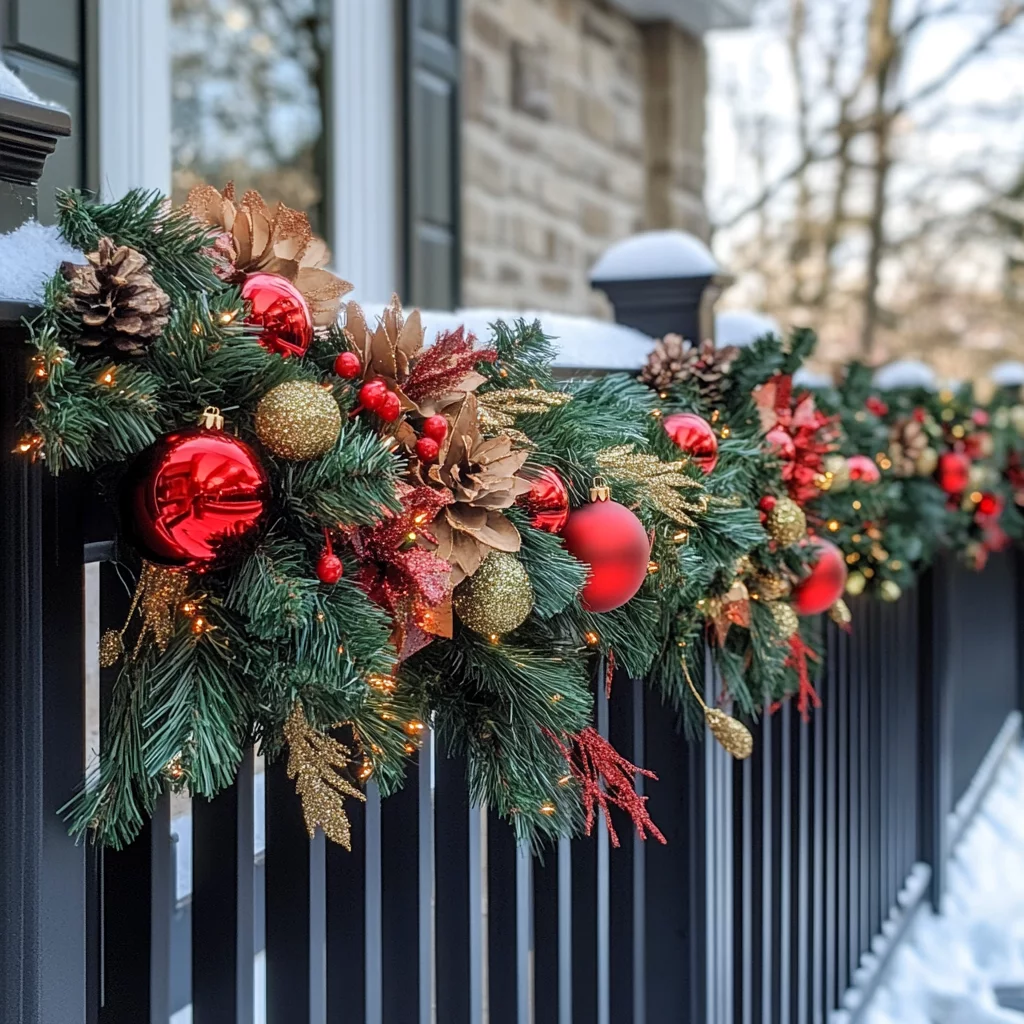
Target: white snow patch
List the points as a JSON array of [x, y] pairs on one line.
[[742, 327], [655, 256], [29, 256], [949, 968], [583, 343], [14, 88], [905, 373], [1008, 375]]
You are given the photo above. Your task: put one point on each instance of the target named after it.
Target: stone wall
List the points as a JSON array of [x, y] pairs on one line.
[[579, 127]]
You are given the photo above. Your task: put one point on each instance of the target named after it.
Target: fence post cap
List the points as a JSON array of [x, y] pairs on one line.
[[742, 327], [1009, 374], [655, 256], [905, 373]]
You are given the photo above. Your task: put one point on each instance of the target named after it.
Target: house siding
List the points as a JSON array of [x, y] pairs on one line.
[[580, 127]]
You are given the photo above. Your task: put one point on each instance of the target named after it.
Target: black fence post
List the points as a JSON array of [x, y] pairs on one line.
[[662, 282], [34, 899]]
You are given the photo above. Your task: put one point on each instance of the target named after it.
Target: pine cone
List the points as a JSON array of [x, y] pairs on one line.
[[672, 362], [907, 443], [122, 308]]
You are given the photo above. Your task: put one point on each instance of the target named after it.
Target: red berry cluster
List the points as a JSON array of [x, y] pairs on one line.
[[375, 396], [435, 430]]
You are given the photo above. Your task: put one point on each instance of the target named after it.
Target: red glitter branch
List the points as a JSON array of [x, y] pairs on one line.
[[445, 365], [807, 696], [606, 777]]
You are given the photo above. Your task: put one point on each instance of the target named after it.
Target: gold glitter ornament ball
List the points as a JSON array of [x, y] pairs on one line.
[[787, 622], [855, 583], [890, 590], [840, 470], [496, 598], [298, 420], [771, 588], [786, 522]]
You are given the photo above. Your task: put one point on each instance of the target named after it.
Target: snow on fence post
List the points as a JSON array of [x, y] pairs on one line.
[[662, 282]]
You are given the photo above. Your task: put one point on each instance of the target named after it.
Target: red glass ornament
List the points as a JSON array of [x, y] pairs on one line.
[[819, 591], [547, 500], [435, 427], [694, 436], [372, 394], [276, 305], [989, 505], [427, 449], [191, 493], [863, 469], [780, 441], [347, 365], [390, 408], [329, 568], [954, 468], [613, 543]]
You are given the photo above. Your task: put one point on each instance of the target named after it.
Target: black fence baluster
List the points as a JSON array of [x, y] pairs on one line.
[[296, 985], [845, 830], [502, 904], [803, 922], [223, 880], [402, 891], [786, 827], [346, 922], [453, 883], [823, 938]]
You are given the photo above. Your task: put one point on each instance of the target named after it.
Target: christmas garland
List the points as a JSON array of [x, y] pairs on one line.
[[344, 534]]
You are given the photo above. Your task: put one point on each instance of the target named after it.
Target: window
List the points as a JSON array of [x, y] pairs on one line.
[[247, 93]]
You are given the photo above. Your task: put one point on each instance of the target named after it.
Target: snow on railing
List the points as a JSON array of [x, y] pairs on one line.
[[29, 257]]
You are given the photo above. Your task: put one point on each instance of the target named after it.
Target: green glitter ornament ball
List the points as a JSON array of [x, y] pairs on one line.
[[496, 598]]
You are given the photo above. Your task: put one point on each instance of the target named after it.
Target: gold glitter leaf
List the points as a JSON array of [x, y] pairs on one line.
[[498, 409], [661, 482], [317, 761]]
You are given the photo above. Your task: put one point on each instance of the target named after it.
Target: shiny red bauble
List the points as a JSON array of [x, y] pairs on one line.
[[347, 365], [427, 449], [826, 583], [192, 494], [547, 500], [435, 427], [278, 307], [781, 443], [329, 568], [693, 435], [863, 469], [953, 472], [390, 408], [372, 394], [612, 542]]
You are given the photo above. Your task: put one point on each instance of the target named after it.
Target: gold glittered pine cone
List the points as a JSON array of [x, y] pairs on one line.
[[122, 308], [787, 622], [908, 442], [483, 477], [251, 237]]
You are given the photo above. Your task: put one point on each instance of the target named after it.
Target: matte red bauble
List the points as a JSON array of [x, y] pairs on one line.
[[191, 493], [276, 305], [693, 435], [781, 442], [613, 543], [953, 473], [863, 469], [547, 500], [826, 583]]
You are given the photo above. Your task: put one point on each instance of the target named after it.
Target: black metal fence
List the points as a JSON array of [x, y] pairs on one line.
[[785, 883]]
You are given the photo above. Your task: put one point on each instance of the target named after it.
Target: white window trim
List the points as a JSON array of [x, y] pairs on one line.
[[134, 77]]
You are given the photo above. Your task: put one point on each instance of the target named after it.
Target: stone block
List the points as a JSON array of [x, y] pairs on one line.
[[509, 273], [483, 26], [483, 166], [560, 194], [531, 80], [595, 219], [565, 102], [555, 283], [599, 119]]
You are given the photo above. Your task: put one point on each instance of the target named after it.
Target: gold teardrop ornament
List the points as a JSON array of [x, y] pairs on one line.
[[732, 735]]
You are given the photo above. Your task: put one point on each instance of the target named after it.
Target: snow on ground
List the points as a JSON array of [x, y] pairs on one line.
[[948, 970], [29, 257]]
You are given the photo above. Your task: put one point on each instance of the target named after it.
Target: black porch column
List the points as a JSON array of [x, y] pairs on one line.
[[41, 871]]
